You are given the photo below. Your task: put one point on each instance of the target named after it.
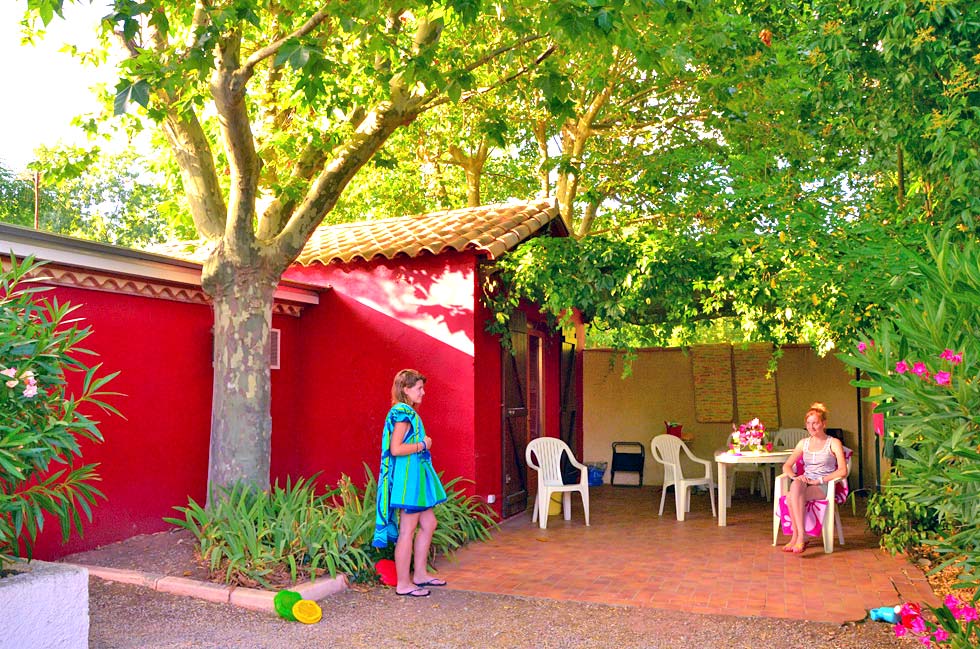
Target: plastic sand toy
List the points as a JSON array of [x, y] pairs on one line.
[[307, 611], [284, 602]]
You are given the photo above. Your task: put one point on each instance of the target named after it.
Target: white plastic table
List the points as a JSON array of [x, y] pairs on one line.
[[726, 458]]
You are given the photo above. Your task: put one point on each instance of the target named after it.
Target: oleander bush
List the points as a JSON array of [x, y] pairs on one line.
[[274, 537], [925, 358], [45, 414]]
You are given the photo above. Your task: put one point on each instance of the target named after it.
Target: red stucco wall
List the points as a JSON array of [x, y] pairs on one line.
[[157, 456], [377, 319]]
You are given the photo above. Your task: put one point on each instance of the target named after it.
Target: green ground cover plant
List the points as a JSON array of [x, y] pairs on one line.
[[274, 537], [925, 358], [45, 415]]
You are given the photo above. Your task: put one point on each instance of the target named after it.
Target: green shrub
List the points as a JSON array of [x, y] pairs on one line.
[[251, 537], [901, 525], [42, 421], [925, 357]]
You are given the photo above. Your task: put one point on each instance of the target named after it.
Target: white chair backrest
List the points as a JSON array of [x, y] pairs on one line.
[[788, 437], [548, 452], [666, 449]]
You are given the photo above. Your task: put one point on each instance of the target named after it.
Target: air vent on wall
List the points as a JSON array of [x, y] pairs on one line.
[[274, 349]]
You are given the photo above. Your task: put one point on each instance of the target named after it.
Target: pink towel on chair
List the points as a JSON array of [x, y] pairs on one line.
[[814, 510]]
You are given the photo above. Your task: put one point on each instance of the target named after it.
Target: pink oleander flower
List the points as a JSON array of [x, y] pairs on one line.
[[941, 635], [926, 641], [900, 630], [968, 614], [11, 384], [901, 367], [30, 391], [862, 347], [942, 378], [11, 372], [918, 625], [920, 369], [951, 356]]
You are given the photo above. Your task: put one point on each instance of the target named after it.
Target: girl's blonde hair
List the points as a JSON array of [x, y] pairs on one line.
[[817, 408], [404, 379]]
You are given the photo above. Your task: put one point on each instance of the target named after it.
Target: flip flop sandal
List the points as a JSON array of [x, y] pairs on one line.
[[418, 592], [432, 582]]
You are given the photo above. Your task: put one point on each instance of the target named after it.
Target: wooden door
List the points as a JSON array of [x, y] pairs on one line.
[[514, 419], [569, 410]]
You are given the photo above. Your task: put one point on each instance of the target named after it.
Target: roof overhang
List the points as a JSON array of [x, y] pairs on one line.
[[126, 262]]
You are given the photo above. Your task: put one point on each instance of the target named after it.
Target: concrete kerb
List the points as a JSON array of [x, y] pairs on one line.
[[251, 598]]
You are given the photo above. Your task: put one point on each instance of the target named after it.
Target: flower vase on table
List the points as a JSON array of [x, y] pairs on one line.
[[749, 439]]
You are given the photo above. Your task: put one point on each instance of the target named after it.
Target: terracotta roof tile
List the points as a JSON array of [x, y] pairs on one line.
[[491, 229]]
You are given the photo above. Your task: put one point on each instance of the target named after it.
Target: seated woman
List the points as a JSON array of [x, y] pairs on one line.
[[823, 460]]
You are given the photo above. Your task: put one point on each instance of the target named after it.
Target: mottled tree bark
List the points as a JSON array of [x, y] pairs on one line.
[[241, 420]]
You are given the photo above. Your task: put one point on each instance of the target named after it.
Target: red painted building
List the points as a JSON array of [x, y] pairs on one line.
[[362, 302]]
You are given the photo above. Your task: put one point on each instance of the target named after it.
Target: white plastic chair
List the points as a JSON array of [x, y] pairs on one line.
[[786, 439], [760, 479], [666, 449], [547, 452], [831, 515]]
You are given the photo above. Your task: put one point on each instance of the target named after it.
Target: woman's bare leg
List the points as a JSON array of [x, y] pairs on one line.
[[423, 539], [403, 551], [795, 502]]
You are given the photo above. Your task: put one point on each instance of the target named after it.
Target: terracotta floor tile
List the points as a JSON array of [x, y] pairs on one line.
[[629, 556]]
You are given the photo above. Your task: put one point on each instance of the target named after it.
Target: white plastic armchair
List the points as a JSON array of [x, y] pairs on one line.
[[831, 515], [666, 450], [544, 456], [788, 438]]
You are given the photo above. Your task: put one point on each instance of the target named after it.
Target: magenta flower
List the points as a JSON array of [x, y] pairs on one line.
[[942, 378], [899, 630], [925, 641], [918, 625], [968, 614], [862, 347], [941, 635], [901, 367], [11, 372], [920, 369], [951, 603], [951, 356]]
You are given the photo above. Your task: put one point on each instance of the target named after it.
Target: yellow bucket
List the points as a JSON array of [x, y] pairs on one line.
[[554, 507]]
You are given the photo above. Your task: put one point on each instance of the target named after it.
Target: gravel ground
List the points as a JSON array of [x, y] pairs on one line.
[[124, 617]]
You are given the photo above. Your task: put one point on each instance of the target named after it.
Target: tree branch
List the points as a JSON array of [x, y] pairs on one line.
[[326, 189], [228, 90], [272, 48]]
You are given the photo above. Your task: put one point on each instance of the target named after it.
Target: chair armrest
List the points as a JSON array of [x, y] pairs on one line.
[[706, 463], [575, 463], [780, 486]]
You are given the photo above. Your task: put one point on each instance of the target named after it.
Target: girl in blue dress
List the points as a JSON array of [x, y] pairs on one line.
[[408, 482]]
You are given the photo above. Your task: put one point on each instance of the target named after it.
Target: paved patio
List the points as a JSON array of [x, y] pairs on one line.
[[629, 556]]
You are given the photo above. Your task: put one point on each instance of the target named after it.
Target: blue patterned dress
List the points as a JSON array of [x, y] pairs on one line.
[[406, 482]]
